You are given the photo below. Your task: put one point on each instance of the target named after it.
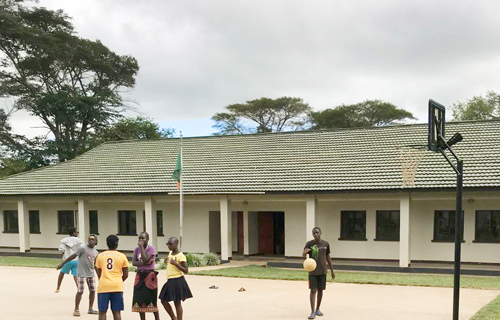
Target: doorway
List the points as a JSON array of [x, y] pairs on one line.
[[271, 226]]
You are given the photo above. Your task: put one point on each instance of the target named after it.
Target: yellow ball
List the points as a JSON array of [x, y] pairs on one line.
[[309, 264]]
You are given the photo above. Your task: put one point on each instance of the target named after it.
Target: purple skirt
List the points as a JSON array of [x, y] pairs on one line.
[[175, 289]]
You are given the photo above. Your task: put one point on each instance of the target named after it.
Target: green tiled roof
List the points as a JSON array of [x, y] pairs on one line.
[[353, 159]]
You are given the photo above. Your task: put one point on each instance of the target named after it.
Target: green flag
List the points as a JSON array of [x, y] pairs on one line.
[[178, 168]]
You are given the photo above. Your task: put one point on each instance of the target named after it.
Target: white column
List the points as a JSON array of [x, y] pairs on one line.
[[246, 234], [151, 223], [83, 219], [226, 236], [23, 219], [311, 205], [404, 231]]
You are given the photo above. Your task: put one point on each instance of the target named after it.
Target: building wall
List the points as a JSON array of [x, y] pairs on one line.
[[329, 217], [197, 223]]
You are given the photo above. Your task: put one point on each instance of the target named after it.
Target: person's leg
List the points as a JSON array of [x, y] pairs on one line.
[[117, 315], [76, 281], [117, 305], [102, 304], [142, 315], [59, 281], [320, 297], [78, 298], [178, 309], [157, 315], [312, 298], [169, 309], [91, 285], [80, 285]]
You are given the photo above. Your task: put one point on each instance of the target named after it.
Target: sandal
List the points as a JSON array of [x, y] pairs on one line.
[[242, 289], [93, 312], [76, 313], [213, 287]]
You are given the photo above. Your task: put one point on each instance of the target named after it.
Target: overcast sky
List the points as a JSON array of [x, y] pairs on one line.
[[196, 57]]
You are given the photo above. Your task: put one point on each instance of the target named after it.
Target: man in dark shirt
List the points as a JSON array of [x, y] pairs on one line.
[[319, 250]]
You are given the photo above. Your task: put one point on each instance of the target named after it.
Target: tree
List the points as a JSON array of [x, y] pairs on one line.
[[262, 115], [129, 129], [18, 153], [72, 84], [478, 108], [369, 113]]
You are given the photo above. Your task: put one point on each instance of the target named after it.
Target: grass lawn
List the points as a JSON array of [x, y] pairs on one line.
[[399, 279], [30, 262]]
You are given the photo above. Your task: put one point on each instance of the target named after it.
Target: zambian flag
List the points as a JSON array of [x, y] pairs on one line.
[[178, 171]]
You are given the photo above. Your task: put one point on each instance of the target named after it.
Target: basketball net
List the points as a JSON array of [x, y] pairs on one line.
[[410, 158]]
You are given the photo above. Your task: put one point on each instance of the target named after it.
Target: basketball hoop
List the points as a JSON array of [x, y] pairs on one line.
[[410, 157]]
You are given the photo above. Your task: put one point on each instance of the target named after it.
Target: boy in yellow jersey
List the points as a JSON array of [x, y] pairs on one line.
[[112, 269]]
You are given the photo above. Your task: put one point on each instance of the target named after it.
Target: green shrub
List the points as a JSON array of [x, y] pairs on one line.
[[212, 259], [195, 260]]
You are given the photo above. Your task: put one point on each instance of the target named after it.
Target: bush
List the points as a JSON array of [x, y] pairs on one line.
[[195, 260], [212, 259]]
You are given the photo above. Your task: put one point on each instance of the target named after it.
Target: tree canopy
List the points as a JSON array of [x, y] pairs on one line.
[[72, 84], [129, 129], [262, 115], [365, 114], [478, 108]]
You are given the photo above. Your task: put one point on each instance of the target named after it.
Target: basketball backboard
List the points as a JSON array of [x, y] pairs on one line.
[[436, 124]]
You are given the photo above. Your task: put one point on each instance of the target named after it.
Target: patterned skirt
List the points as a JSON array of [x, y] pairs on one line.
[[175, 289], [145, 291]]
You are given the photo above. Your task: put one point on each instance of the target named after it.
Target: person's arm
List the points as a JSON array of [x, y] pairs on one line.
[[329, 261], [306, 251], [71, 257], [124, 273], [181, 266], [98, 271]]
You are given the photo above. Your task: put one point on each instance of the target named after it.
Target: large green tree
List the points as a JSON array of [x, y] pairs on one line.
[[262, 115], [129, 129], [369, 113], [478, 108], [72, 84]]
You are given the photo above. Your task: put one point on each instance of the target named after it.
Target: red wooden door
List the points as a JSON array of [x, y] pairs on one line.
[[240, 232], [266, 232]]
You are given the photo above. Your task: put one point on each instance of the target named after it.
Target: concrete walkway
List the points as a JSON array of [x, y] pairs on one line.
[[28, 293]]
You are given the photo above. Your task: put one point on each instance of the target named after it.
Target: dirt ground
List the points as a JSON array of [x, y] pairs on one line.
[[28, 293]]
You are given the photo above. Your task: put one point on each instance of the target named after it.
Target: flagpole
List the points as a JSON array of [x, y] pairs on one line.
[[181, 200]]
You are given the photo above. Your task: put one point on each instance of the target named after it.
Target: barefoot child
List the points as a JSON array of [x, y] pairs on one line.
[[176, 288], [146, 282], [319, 250], [86, 257], [112, 269]]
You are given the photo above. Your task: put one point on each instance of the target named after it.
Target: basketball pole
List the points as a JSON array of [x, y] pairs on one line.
[[459, 169]]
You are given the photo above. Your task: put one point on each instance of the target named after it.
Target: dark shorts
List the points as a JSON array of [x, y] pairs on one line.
[[317, 282], [116, 299]]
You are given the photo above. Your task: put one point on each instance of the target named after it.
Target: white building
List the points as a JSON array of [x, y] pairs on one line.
[[263, 193]]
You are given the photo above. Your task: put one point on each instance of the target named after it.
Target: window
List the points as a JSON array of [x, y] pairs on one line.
[[10, 221], [126, 222], [353, 225], [159, 222], [444, 226], [93, 222], [34, 221], [66, 220], [387, 225], [487, 226]]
